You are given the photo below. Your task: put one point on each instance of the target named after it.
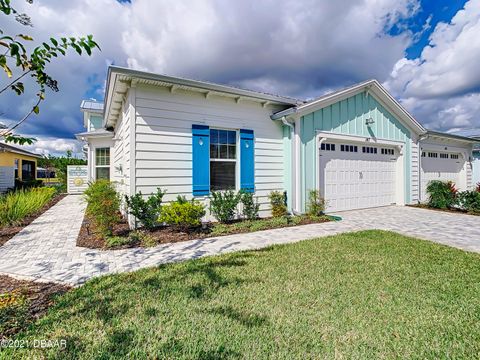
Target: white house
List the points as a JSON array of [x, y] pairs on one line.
[[358, 146]]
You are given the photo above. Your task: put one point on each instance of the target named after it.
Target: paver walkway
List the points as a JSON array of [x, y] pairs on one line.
[[46, 248]]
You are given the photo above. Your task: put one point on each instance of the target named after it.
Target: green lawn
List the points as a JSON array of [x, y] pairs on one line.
[[364, 295]]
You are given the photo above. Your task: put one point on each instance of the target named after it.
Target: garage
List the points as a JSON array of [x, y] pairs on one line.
[[357, 176], [443, 166]]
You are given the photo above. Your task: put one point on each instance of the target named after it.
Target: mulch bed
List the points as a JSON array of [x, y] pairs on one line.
[[7, 232], [89, 237], [40, 297]]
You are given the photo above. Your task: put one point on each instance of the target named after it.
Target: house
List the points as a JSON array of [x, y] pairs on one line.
[[358, 146], [16, 163]]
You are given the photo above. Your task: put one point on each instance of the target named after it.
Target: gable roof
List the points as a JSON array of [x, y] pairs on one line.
[[9, 148], [119, 77], [372, 87]]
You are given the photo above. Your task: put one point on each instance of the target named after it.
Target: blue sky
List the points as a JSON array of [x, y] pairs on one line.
[[424, 52]]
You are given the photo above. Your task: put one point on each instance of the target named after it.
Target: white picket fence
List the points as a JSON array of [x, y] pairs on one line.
[[7, 178]]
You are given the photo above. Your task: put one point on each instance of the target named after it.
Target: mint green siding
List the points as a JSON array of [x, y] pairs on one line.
[[348, 117]]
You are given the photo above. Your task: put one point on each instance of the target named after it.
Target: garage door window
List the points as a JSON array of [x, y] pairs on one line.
[[349, 148], [388, 151], [454, 156], [369, 150], [443, 156], [327, 147], [432, 155]]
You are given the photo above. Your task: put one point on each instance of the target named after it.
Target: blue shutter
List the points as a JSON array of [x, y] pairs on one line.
[[200, 160], [247, 162]]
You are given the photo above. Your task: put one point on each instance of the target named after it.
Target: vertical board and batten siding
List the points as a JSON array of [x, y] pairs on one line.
[[415, 177], [163, 151], [348, 117]]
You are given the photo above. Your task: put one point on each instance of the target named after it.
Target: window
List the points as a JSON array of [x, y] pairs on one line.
[[369, 150], [327, 147], [443, 156], [424, 154], [432, 155], [28, 170], [454, 156], [223, 159], [389, 152], [349, 148], [102, 163], [16, 168]]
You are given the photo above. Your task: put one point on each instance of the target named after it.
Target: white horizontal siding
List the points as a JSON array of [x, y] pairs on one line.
[[415, 172], [163, 154]]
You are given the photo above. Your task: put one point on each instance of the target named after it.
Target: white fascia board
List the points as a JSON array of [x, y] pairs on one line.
[[358, 139], [372, 87]]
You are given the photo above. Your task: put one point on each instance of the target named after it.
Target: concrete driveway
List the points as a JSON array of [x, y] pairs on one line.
[[46, 249]]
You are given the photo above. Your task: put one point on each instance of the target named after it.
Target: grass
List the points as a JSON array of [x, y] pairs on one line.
[[364, 295], [17, 205]]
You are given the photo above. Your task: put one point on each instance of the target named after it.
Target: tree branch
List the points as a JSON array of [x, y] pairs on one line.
[[9, 130], [14, 81]]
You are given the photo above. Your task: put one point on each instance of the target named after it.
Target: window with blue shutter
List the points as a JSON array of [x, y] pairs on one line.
[[200, 160], [247, 162]]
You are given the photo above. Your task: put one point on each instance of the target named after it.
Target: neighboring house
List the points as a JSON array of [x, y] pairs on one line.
[[358, 146], [16, 163]]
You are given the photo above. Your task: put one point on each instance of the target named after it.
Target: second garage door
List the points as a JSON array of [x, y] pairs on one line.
[[440, 166], [356, 176]]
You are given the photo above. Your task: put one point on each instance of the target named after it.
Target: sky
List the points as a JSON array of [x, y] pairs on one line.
[[426, 53]]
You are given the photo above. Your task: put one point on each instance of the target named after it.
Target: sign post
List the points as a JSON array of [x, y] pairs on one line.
[[77, 179]]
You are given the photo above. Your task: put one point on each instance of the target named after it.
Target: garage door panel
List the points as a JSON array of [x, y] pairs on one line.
[[443, 169], [354, 180]]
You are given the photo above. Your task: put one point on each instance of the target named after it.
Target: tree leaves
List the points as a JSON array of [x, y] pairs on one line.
[[19, 139]]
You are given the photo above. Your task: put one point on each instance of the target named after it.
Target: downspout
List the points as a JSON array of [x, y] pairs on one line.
[[294, 161]]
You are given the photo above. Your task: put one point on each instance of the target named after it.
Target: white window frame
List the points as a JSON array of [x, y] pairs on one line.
[[236, 160], [103, 166]]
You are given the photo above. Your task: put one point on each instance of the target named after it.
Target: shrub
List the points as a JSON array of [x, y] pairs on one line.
[[442, 194], [147, 211], [278, 202], [183, 214], [469, 201], [27, 184], [477, 187], [143, 237], [224, 204], [17, 205], [250, 206], [316, 203], [103, 205], [117, 241]]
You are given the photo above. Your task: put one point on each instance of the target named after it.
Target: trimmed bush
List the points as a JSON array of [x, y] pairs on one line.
[[17, 205], [147, 211], [250, 206], [442, 194], [103, 205], [183, 214], [278, 202], [223, 205], [316, 203]]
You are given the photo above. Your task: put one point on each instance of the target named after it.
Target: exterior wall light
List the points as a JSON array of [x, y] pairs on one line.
[[369, 122]]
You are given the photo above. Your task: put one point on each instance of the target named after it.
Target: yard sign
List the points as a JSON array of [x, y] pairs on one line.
[[77, 180]]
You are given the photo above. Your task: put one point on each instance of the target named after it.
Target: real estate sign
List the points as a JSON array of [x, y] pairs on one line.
[[77, 179]]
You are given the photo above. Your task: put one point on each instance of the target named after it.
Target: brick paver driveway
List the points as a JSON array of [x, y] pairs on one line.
[[46, 249]]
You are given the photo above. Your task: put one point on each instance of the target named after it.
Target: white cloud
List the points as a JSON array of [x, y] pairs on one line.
[[442, 86], [55, 146]]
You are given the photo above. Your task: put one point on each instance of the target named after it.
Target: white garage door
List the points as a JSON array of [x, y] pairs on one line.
[[356, 176], [440, 166]]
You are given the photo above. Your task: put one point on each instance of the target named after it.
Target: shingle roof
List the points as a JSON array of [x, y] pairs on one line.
[[5, 147]]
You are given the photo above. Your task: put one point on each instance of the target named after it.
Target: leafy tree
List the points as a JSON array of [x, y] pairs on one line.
[[17, 62]]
